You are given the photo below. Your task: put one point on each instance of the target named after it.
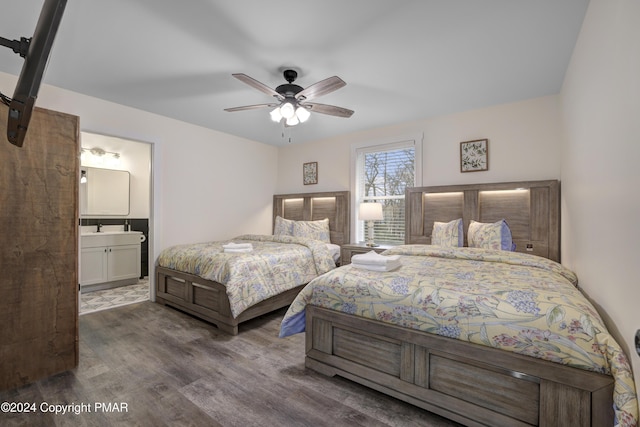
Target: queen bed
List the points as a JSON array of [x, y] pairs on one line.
[[228, 287], [483, 336]]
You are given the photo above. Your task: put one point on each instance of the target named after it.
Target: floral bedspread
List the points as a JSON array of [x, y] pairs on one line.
[[276, 264], [517, 302]]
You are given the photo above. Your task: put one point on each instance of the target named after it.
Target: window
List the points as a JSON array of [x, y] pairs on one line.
[[382, 173]]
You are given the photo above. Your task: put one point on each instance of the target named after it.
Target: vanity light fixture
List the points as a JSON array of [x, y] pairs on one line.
[[99, 156]]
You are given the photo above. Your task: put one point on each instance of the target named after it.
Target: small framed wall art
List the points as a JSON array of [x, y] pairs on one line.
[[310, 173], [474, 155]]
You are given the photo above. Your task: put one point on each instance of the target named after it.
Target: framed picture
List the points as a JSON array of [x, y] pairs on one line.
[[310, 173], [474, 155]]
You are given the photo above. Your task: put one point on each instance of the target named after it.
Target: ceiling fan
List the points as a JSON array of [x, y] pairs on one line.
[[293, 104]]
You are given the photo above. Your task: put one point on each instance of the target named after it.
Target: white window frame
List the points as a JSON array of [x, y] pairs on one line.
[[390, 143]]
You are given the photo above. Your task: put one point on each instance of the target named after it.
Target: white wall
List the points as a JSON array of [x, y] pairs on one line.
[[524, 144], [207, 185], [600, 173]]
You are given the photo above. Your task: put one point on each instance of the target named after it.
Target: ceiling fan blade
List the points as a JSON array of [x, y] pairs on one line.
[[331, 110], [249, 107], [257, 85], [323, 87]]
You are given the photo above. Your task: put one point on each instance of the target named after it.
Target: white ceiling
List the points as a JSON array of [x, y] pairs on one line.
[[402, 60]]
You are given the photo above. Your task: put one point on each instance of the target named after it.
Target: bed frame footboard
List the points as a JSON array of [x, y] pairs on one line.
[[208, 300], [468, 383]]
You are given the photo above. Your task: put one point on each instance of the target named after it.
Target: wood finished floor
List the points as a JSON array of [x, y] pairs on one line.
[[173, 370]]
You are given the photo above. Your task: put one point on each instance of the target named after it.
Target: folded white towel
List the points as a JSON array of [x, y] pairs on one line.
[[389, 267], [236, 251], [374, 258], [232, 245]]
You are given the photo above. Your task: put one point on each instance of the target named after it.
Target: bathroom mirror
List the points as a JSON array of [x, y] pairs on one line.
[[104, 192]]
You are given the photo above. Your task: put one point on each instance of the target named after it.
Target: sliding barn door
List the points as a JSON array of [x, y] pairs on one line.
[[39, 249]]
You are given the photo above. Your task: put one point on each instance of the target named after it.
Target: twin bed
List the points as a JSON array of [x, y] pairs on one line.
[[480, 336]]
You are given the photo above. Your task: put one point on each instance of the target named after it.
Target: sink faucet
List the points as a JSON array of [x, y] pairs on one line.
[[99, 227]]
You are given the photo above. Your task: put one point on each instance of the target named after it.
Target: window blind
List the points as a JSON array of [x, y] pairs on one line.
[[383, 172]]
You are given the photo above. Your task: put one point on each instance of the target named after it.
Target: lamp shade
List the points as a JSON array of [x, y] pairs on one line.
[[287, 110], [302, 114], [275, 115], [370, 212]]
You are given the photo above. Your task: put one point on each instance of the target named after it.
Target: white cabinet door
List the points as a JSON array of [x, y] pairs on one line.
[[124, 262], [93, 265]]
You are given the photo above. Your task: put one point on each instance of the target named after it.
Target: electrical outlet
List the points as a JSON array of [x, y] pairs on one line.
[[638, 342]]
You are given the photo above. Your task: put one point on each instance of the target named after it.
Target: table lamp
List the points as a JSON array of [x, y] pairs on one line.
[[370, 212]]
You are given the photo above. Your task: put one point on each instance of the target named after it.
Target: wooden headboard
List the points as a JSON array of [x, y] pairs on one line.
[[531, 208], [316, 206]]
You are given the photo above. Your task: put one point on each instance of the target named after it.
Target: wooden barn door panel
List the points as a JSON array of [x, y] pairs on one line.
[[39, 250]]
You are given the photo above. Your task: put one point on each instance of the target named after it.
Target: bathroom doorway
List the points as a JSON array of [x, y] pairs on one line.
[[109, 276]]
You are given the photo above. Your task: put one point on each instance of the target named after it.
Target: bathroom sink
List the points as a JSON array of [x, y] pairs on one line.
[[93, 233], [94, 239]]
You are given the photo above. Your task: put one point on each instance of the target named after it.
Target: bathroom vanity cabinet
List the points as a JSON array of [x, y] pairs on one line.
[[109, 259]]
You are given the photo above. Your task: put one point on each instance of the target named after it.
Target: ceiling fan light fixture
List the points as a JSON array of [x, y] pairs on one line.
[[302, 114], [294, 100], [287, 110], [275, 115], [292, 121]]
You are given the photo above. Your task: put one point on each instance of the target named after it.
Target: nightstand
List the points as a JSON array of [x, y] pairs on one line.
[[350, 249]]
